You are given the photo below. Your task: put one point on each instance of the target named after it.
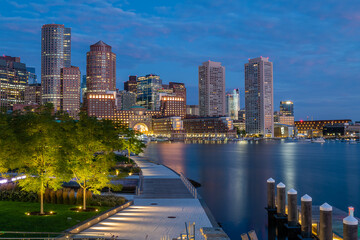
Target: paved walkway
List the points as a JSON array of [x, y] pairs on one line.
[[160, 212]]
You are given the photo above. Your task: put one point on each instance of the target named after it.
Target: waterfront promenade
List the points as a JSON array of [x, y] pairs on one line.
[[160, 211]]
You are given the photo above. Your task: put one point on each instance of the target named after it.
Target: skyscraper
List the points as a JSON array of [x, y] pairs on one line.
[[13, 80], [131, 84], [212, 89], [233, 104], [70, 90], [259, 109], [147, 90], [32, 77], [55, 55], [100, 68], [287, 108]]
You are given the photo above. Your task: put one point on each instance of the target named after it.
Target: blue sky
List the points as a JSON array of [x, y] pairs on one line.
[[314, 45]]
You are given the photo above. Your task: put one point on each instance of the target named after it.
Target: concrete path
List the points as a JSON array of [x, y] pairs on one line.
[[160, 212]]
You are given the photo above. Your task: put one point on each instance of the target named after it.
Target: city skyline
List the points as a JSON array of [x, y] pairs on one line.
[[308, 65]]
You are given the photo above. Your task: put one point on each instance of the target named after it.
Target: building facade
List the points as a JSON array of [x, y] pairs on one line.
[[179, 90], [287, 108], [233, 104], [131, 84], [171, 127], [33, 94], [32, 77], [212, 89], [126, 100], [192, 110], [172, 106], [55, 55], [70, 90], [147, 90], [13, 80], [259, 109], [100, 68], [315, 128], [209, 127]]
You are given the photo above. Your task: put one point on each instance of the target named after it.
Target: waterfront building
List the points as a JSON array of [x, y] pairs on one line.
[[55, 55], [334, 130], [32, 77], [212, 89], [283, 119], [192, 110], [233, 104], [100, 68], [171, 127], [126, 100], [209, 127], [131, 84], [239, 124], [101, 105], [172, 106], [13, 80], [315, 128], [33, 94], [70, 90], [352, 130], [284, 130], [259, 110], [147, 90]]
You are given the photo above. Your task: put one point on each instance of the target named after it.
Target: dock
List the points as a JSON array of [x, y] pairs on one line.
[[161, 210]]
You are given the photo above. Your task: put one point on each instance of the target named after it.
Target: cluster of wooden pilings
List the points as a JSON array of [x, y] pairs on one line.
[[287, 226]]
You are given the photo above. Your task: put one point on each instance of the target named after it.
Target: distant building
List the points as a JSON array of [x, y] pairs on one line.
[[55, 55], [83, 88], [259, 97], [233, 104], [241, 114], [192, 110], [315, 128], [179, 90], [14, 79], [100, 68], [239, 124], [286, 108], [70, 90], [32, 77], [209, 127], [147, 90], [172, 106], [101, 105], [131, 84], [127, 100], [33, 94], [171, 127], [212, 89], [284, 131]]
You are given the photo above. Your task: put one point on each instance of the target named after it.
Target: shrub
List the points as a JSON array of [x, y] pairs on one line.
[[72, 199], [106, 200], [47, 198], [52, 196], [65, 196], [59, 198], [79, 196]]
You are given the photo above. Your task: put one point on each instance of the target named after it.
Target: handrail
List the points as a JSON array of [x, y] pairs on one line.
[[189, 186]]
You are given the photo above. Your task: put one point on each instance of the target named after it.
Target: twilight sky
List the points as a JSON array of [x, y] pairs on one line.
[[313, 44]]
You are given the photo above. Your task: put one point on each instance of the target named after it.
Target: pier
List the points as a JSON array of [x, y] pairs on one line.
[[166, 207]]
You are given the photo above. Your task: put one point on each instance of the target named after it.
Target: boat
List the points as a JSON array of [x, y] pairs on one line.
[[318, 140]]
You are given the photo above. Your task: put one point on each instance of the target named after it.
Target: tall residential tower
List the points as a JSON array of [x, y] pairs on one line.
[[212, 89], [55, 55], [233, 104], [259, 107]]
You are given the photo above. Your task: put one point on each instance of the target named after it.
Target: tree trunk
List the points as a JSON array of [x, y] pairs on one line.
[[42, 198], [129, 154], [84, 198]]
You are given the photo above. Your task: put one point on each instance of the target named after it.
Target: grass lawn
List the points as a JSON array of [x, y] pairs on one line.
[[13, 217]]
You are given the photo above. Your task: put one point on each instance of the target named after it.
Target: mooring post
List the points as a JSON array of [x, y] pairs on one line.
[[280, 199], [271, 208], [306, 216], [350, 224], [271, 193], [292, 207], [326, 222]]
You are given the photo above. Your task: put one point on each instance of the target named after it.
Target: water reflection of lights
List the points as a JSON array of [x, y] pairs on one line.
[[288, 152]]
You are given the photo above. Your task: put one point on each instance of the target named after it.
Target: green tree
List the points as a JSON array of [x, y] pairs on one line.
[[89, 153], [35, 144], [132, 143]]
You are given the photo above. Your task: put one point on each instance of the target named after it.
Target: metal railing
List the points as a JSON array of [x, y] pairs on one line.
[[189, 186]]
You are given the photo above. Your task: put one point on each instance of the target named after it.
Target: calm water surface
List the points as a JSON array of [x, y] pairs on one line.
[[233, 176]]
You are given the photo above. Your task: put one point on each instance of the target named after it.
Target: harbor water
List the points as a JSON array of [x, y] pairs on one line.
[[233, 176]]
